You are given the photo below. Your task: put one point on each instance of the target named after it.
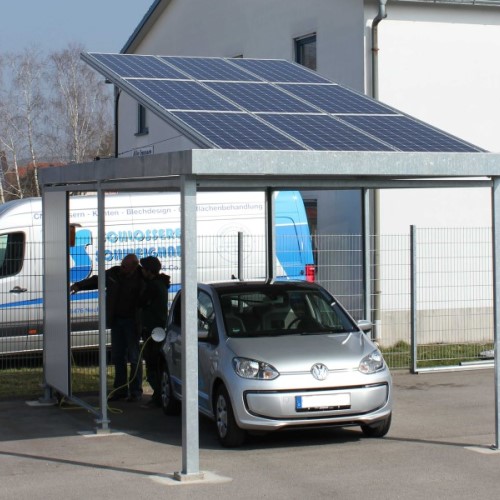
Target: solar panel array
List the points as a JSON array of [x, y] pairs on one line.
[[267, 104]]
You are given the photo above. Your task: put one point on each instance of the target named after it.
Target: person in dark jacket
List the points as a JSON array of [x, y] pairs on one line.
[[124, 286], [154, 312]]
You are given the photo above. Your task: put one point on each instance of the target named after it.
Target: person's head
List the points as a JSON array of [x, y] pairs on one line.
[[129, 263], [151, 266]]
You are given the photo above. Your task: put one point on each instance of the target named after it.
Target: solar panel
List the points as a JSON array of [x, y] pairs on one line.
[[266, 104], [174, 94], [336, 99], [236, 131], [135, 66], [407, 134], [210, 69], [261, 97], [322, 132], [277, 70]]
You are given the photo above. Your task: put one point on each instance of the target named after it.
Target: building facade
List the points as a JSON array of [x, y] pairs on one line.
[[435, 60]]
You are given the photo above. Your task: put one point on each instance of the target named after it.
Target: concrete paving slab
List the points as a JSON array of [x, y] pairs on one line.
[[438, 447]]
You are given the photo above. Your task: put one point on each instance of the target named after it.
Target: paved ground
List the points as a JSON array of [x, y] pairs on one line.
[[438, 448]]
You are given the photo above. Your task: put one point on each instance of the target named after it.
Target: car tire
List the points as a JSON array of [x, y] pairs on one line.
[[378, 429], [169, 404], [230, 435]]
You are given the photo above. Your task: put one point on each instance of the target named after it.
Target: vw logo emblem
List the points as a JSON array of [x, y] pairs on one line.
[[319, 371]]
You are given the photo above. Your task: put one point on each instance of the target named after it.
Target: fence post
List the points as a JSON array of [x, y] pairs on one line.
[[240, 255], [367, 258], [270, 236], [413, 297]]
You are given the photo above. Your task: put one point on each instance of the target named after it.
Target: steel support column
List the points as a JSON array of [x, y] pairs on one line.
[[495, 209], [101, 286], [190, 429]]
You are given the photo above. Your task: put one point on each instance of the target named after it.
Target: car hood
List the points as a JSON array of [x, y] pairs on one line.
[[292, 353]]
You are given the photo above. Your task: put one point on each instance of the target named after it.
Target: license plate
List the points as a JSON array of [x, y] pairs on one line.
[[323, 402]]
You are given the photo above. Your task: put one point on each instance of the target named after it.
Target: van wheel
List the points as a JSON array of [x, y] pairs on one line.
[[378, 429], [170, 405], [230, 435]]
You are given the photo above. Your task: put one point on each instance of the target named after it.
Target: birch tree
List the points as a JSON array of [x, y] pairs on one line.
[[53, 109], [27, 90], [82, 105]]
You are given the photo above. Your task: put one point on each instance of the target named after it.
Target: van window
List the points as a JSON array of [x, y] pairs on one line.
[[11, 253]]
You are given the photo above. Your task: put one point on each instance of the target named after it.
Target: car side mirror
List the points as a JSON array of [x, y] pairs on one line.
[[365, 325]]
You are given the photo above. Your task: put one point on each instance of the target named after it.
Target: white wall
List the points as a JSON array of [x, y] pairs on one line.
[[436, 62], [440, 64], [162, 138], [264, 29]]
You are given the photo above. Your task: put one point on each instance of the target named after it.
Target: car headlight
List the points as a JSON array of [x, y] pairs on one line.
[[372, 363], [249, 368]]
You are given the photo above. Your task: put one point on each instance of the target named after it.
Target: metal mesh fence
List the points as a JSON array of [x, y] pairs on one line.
[[453, 300], [454, 295]]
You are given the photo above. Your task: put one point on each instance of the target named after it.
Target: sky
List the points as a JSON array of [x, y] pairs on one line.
[[51, 25]]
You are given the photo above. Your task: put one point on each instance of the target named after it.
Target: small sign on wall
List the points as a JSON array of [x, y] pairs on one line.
[[150, 150]]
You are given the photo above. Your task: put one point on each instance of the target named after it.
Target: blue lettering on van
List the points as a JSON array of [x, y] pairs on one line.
[[117, 254], [82, 263], [140, 235]]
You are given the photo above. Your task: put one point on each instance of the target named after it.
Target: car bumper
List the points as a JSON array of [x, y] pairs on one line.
[[340, 405]]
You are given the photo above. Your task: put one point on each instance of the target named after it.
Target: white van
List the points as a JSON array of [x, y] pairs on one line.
[[144, 224]]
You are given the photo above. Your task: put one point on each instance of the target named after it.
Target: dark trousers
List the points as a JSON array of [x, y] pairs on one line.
[[125, 348]]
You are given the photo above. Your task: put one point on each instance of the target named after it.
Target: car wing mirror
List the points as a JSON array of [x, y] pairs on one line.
[[158, 334], [365, 325]]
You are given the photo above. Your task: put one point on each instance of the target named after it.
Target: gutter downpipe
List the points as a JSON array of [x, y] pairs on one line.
[[382, 14], [117, 92]]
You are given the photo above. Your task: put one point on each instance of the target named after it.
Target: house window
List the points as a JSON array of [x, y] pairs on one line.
[[141, 120], [305, 51]]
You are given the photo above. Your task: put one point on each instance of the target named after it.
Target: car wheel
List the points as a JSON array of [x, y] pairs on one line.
[[230, 435], [378, 429], [170, 405]]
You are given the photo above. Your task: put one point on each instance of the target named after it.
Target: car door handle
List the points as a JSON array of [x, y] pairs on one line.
[[18, 289]]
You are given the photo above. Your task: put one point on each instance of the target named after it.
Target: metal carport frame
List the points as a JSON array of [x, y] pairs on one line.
[[218, 170]]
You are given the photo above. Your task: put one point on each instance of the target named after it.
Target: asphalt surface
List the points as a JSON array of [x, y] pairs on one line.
[[438, 448]]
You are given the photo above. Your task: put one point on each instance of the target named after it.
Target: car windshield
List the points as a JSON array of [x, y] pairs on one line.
[[283, 312]]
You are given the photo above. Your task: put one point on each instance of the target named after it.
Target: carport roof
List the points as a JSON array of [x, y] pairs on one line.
[[229, 169], [266, 104], [216, 168]]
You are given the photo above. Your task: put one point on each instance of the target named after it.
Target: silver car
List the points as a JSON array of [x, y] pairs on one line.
[[278, 355]]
